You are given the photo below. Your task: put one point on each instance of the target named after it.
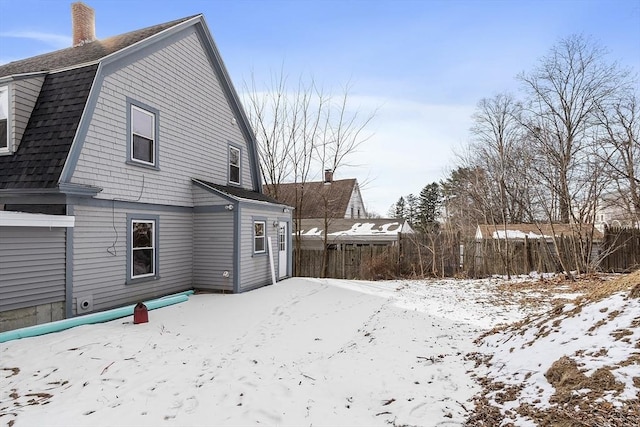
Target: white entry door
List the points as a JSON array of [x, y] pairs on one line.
[[282, 249]]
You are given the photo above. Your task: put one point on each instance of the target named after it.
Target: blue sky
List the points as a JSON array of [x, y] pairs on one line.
[[423, 64]]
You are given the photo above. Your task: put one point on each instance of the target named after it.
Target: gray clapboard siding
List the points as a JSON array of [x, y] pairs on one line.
[[213, 251], [99, 267], [195, 122], [34, 274], [202, 197], [24, 96], [255, 270]]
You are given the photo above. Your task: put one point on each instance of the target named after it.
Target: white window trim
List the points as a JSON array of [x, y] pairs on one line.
[[153, 247], [7, 148], [264, 236], [231, 147], [153, 139]]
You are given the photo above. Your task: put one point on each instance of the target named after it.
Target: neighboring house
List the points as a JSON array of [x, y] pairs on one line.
[[611, 212], [534, 231], [128, 171], [321, 199], [375, 231], [516, 233]]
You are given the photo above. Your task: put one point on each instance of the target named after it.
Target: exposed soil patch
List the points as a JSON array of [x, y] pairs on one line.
[[579, 396]]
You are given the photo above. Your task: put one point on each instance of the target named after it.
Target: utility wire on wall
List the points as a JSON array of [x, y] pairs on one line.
[[112, 249]]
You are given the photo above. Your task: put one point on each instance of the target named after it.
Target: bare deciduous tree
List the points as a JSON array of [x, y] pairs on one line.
[[564, 92], [302, 132], [621, 151]]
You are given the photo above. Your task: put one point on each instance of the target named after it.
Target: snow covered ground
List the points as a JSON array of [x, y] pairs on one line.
[[301, 352]]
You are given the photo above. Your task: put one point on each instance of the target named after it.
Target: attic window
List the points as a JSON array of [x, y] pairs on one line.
[[234, 165], [142, 135], [4, 119]]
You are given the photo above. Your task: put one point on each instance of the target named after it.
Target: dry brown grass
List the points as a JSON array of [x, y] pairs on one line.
[[578, 398], [622, 283]]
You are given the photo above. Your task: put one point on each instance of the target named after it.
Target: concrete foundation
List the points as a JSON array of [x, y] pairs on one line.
[[23, 317]]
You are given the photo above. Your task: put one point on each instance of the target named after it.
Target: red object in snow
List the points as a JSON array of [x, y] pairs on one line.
[[140, 314]]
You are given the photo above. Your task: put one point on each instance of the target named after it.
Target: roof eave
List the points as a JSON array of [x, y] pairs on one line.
[[13, 77], [235, 198], [64, 188]]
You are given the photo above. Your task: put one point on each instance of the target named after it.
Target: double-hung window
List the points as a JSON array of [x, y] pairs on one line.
[[4, 119], [142, 136], [259, 237], [142, 241], [234, 165]]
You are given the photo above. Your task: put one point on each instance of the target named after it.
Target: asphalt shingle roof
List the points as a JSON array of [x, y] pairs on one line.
[[86, 53], [52, 126], [241, 192], [318, 197], [54, 120]]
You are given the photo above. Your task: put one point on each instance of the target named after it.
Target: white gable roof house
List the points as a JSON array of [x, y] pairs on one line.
[[129, 171]]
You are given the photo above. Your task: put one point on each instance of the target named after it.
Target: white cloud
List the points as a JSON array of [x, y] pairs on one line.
[[413, 145], [55, 41]]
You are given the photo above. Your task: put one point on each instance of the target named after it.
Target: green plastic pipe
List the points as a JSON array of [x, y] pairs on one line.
[[103, 316]]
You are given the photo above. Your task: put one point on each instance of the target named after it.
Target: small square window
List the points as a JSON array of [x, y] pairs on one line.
[[234, 165], [259, 237]]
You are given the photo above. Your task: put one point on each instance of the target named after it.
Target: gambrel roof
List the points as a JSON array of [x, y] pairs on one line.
[[318, 197], [49, 147], [47, 140]]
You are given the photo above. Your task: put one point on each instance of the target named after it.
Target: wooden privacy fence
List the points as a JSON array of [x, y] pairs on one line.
[[522, 256], [620, 250], [447, 255], [348, 262]]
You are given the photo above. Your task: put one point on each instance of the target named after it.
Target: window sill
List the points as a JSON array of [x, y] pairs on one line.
[[142, 165], [131, 281]]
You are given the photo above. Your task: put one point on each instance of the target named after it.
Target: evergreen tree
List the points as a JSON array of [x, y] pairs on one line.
[[429, 207], [412, 208], [398, 209]]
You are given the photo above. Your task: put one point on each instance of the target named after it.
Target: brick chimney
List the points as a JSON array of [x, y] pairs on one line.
[[328, 176], [83, 22]]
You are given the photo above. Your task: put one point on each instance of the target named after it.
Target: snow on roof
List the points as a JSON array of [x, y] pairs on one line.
[[354, 228], [25, 219], [369, 228], [535, 231], [517, 234]]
